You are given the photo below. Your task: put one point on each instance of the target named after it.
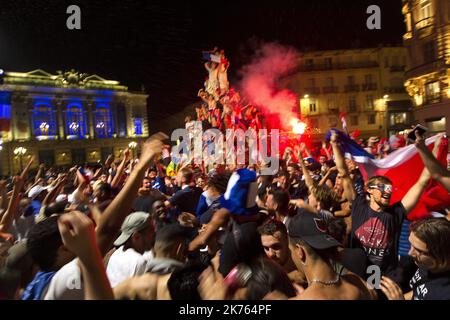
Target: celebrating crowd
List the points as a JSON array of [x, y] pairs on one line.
[[143, 229], [157, 228]]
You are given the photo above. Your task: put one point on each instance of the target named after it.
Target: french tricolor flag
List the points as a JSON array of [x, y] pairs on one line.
[[403, 167], [240, 196]]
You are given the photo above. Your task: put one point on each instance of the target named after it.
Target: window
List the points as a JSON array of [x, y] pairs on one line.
[[137, 126], [369, 102], [352, 104], [314, 122], [311, 83], [331, 103], [371, 119], [330, 82], [103, 121], [312, 106], [309, 62], [398, 118], [332, 121], [44, 119], [432, 92], [425, 9], [368, 79], [353, 120], [351, 80], [75, 121], [395, 61], [428, 52], [328, 63]]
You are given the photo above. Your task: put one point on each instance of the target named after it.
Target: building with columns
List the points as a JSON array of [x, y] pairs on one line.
[[427, 79], [66, 118]]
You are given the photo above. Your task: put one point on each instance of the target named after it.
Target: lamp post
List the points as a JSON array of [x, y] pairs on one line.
[[132, 145], [20, 152]]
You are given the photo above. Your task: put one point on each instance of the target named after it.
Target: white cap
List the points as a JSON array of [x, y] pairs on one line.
[[35, 191]]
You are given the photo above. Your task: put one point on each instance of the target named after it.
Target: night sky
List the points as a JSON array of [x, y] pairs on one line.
[[158, 44]]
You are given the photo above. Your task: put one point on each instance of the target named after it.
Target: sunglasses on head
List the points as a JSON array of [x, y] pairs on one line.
[[382, 187]]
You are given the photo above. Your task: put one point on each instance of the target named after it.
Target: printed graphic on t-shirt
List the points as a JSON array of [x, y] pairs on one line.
[[420, 290], [374, 238]]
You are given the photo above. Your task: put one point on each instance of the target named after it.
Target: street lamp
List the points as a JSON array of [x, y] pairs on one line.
[[20, 152], [132, 145]]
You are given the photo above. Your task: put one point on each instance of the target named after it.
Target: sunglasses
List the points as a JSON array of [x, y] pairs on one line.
[[382, 187]]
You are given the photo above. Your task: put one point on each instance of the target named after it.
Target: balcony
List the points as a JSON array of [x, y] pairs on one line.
[[424, 27], [312, 90], [397, 68], [368, 87], [388, 90], [424, 23], [427, 67], [333, 109], [339, 66], [351, 88], [330, 89]]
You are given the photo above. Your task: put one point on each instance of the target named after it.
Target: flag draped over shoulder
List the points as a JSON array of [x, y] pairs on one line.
[[403, 167]]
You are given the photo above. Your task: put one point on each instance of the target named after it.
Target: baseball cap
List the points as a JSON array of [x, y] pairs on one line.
[[18, 257], [312, 230], [35, 191], [136, 221]]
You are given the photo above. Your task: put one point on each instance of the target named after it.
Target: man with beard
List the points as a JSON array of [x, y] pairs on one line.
[[146, 196], [376, 225]]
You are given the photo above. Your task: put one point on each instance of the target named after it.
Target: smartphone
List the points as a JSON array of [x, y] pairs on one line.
[[420, 128]]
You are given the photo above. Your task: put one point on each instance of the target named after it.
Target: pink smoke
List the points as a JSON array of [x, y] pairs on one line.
[[258, 84]]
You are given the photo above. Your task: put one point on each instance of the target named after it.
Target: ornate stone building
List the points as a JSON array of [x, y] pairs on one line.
[[427, 40], [66, 118]]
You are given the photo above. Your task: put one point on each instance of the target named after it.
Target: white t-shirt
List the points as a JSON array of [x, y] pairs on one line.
[[125, 264], [66, 284]]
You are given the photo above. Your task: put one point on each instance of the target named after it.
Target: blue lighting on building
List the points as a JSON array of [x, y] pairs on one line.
[[138, 126], [44, 119], [75, 121], [5, 111], [104, 127]]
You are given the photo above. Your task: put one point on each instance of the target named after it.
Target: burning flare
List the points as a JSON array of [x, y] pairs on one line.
[[298, 127]]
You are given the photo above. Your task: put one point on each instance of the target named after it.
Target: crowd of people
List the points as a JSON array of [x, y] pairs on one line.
[[129, 230], [153, 228]]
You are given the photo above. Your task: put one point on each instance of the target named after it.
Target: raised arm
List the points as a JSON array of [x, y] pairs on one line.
[[309, 181], [437, 171], [120, 169], [39, 173], [7, 218], [113, 216], [78, 235], [412, 197], [347, 182]]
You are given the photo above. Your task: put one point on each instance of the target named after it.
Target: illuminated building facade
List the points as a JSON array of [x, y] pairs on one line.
[[67, 118], [366, 84], [427, 40]]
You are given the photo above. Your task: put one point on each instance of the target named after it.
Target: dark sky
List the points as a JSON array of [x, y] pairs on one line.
[[158, 44]]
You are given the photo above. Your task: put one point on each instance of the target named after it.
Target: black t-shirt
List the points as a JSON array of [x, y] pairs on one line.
[[377, 232], [355, 260], [429, 286], [145, 203], [186, 199]]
